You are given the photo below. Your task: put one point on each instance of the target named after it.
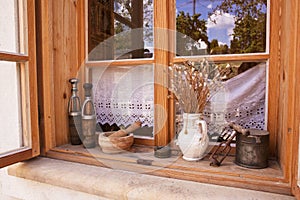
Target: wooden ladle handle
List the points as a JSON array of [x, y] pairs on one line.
[[124, 132], [239, 129]]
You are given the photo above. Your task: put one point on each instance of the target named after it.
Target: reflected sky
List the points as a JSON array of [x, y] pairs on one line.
[[221, 30]]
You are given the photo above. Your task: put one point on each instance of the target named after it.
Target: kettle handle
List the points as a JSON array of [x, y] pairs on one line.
[[203, 127]]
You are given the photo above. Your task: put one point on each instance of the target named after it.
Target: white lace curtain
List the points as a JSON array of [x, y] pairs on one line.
[[124, 95], [242, 100]]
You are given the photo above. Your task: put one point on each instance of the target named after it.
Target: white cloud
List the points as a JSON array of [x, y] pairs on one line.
[[209, 6], [221, 22], [222, 43], [224, 20]]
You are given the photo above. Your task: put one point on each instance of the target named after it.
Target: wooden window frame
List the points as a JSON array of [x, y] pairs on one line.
[[62, 52], [28, 83], [89, 65]]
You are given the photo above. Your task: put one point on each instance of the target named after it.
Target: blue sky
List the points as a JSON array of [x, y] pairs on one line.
[[225, 23]]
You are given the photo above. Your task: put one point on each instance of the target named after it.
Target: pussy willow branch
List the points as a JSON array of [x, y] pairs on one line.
[[194, 84]]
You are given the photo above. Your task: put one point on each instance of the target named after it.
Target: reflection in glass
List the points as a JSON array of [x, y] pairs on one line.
[[241, 99], [119, 29], [220, 27], [10, 107]]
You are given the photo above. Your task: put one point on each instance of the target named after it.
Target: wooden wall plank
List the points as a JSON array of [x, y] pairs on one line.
[[61, 43], [65, 62], [287, 84], [59, 68]]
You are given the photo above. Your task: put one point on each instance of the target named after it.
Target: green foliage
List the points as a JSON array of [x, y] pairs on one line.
[[194, 28], [249, 33], [222, 49], [215, 48], [214, 43]]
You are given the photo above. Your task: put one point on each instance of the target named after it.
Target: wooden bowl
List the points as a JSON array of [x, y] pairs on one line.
[[115, 144]]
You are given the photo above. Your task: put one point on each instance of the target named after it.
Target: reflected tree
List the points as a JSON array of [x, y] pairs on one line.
[[249, 33], [196, 30], [215, 48]]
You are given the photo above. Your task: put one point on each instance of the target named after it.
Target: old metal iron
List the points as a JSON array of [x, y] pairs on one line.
[[222, 151]]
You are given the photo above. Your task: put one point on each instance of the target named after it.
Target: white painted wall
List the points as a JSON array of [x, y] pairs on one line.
[[10, 120]]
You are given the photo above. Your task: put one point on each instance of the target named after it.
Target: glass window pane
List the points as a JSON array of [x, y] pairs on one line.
[[124, 95], [245, 90], [10, 107], [12, 24], [241, 98], [120, 29], [220, 27]]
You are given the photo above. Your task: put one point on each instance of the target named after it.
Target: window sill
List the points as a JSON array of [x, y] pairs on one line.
[[117, 184], [269, 179]]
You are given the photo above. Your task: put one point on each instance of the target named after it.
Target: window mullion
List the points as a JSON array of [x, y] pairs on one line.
[[14, 57], [161, 23]]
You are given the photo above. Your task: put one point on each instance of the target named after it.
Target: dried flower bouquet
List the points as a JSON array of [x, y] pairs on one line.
[[193, 84]]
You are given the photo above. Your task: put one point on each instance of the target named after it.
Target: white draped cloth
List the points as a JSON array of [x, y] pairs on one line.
[[242, 100], [124, 95]]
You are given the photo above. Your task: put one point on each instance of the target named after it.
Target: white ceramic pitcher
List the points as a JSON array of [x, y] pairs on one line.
[[193, 139]]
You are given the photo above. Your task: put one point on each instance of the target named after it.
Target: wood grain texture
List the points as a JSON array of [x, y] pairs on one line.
[[31, 79], [61, 44], [161, 128], [269, 179], [295, 143], [255, 57], [116, 63], [16, 156], [65, 62], [63, 50], [274, 75], [45, 74], [287, 86], [171, 57], [14, 57]]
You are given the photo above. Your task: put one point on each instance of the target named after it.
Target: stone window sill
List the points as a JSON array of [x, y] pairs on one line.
[[117, 184]]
